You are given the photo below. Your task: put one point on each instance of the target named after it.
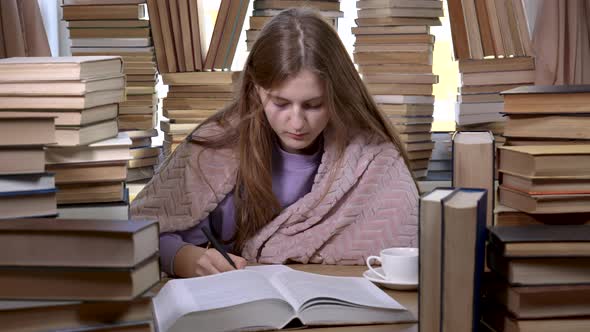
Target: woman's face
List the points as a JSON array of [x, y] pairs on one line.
[[296, 111]]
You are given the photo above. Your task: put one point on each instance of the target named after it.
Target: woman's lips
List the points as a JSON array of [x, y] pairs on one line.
[[298, 137]]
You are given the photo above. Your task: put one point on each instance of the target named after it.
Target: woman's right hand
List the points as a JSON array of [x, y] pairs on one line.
[[212, 262], [193, 261]]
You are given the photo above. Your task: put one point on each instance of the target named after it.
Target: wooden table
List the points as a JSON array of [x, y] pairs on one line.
[[408, 299]]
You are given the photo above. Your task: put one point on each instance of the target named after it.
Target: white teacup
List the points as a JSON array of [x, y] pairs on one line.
[[399, 264]]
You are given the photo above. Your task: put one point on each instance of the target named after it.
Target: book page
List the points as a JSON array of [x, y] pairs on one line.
[[181, 296], [304, 289]]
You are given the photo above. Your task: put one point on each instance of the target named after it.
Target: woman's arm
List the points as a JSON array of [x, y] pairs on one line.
[[183, 259]]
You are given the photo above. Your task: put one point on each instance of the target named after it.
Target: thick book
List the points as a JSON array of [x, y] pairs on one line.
[[506, 216], [68, 117], [69, 68], [400, 12], [473, 164], [389, 21], [91, 192], [105, 12], [535, 302], [548, 126], [285, 296], [554, 99], [395, 68], [117, 210], [106, 243], [66, 315], [27, 204], [112, 149], [110, 171], [111, 42], [402, 99], [78, 283], [558, 161], [84, 135], [519, 271], [544, 203], [88, 100], [496, 65], [462, 250], [500, 77], [430, 231], [62, 88], [542, 240], [397, 4], [197, 78], [22, 160], [26, 182], [26, 129], [546, 185]]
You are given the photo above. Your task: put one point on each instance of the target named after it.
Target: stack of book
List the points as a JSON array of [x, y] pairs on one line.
[[492, 43], [264, 10], [541, 278], [539, 248], [195, 89], [479, 103], [393, 50], [25, 189], [547, 115], [77, 275], [545, 178], [120, 27], [192, 98], [82, 95], [91, 178]]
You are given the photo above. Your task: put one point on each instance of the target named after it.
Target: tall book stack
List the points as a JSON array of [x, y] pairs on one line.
[[77, 275], [82, 95], [264, 10], [191, 99], [121, 27], [492, 43], [393, 50], [540, 246], [199, 81]]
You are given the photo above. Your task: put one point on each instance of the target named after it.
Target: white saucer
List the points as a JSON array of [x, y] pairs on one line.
[[391, 284]]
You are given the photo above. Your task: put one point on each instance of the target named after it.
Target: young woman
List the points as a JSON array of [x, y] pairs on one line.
[[301, 167]]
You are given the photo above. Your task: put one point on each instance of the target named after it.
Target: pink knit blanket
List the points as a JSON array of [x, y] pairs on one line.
[[371, 204]]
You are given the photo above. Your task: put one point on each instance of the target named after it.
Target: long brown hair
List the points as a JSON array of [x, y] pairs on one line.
[[294, 40]]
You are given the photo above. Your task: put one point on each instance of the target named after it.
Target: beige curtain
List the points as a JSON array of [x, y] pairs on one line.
[[561, 41], [21, 29]]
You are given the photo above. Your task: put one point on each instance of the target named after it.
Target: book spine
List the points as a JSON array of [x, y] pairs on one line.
[[479, 248]]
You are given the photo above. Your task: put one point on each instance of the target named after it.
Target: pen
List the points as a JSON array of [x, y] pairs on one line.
[[218, 246]]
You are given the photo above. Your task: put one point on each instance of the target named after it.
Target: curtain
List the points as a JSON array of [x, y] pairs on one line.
[[21, 29], [561, 41]]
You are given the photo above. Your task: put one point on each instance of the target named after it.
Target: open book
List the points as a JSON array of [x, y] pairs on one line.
[[271, 297]]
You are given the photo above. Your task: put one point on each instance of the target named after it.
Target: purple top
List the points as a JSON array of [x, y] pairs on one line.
[[292, 178]]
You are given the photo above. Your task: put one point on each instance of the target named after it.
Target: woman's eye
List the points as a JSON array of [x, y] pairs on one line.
[[281, 105], [314, 106]]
